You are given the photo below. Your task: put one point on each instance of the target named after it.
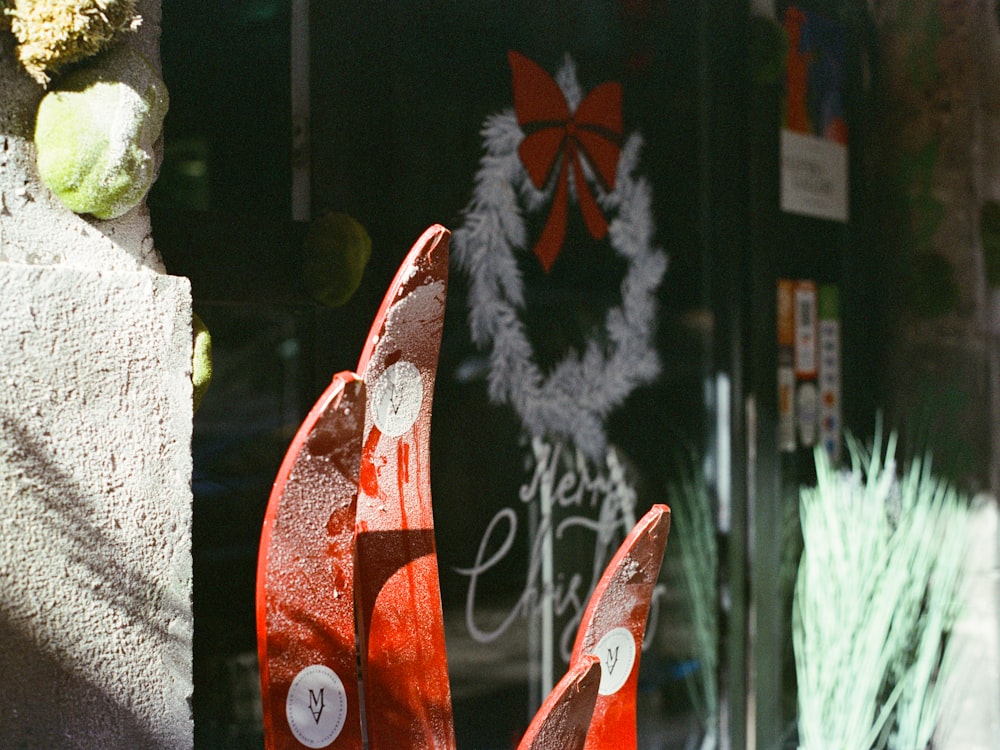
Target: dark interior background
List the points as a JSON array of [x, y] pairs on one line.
[[399, 92]]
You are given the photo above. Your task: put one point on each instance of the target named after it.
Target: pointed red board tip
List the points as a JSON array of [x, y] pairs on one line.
[[564, 718], [426, 260], [613, 627], [345, 389], [636, 562], [655, 522], [433, 240], [305, 548], [433, 231]]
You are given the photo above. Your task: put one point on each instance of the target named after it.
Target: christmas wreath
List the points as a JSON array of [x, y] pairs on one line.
[[555, 148]]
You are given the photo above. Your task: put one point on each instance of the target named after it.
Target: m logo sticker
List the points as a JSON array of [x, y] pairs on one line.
[[316, 706], [616, 650], [612, 659]]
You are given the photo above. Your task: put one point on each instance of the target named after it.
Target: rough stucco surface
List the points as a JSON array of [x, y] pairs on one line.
[[95, 462], [95, 467]]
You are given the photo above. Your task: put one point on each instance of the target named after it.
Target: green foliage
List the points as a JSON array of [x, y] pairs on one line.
[[878, 591], [768, 48], [916, 177], [695, 542], [929, 278], [337, 249], [52, 34], [931, 288], [924, 29], [201, 360], [989, 234]]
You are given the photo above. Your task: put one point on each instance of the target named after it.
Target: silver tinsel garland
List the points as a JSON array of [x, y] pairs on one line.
[[574, 400]]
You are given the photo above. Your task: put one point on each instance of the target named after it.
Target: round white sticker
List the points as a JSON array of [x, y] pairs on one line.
[[616, 650], [397, 396], [316, 706]]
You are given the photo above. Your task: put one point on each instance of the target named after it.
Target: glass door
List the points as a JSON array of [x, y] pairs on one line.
[[591, 356]]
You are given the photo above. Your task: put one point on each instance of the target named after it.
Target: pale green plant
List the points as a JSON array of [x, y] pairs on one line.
[[877, 592], [941, 519], [694, 540]]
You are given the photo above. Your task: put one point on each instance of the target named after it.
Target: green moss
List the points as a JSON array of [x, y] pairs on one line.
[[95, 133], [201, 360], [932, 289], [989, 233], [54, 33]]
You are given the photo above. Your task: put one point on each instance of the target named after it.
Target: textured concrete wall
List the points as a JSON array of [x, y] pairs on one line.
[[95, 466], [971, 713], [939, 149], [940, 153]]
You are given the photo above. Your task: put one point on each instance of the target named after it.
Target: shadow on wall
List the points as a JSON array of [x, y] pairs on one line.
[[88, 640], [36, 712]]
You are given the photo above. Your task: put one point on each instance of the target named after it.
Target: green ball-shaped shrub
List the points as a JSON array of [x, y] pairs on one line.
[[95, 133], [336, 252]]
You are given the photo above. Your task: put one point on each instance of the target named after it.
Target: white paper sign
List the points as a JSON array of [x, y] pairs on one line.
[[829, 386], [813, 176]]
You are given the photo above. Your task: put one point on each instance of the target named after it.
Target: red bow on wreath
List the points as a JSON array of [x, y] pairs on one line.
[[551, 131]]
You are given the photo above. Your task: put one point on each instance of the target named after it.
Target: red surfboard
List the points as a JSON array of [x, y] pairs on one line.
[[400, 623], [305, 581], [613, 627], [564, 718]]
